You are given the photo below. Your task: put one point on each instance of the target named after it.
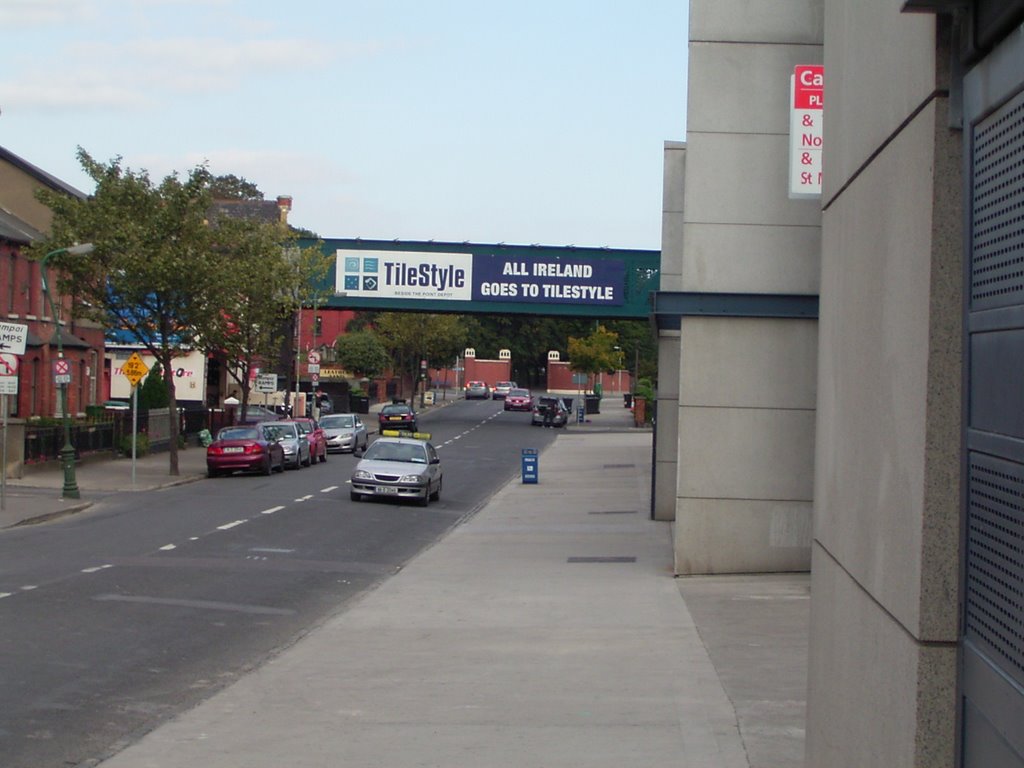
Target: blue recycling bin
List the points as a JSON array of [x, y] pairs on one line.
[[530, 468]]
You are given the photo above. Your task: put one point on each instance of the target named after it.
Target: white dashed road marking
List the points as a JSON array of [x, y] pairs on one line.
[[271, 511], [97, 568], [301, 499], [168, 547], [328, 489], [229, 526]]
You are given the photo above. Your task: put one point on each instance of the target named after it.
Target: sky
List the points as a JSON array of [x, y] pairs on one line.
[[538, 121]]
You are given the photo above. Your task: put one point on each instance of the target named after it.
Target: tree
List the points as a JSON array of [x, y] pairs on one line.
[[253, 294], [362, 352], [231, 187], [595, 353], [153, 391], [151, 272], [410, 337]]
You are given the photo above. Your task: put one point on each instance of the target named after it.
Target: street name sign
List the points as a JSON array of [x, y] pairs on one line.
[[266, 382], [13, 337], [134, 368]]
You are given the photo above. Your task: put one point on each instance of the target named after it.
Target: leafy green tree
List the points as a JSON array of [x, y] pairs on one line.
[[231, 187], [594, 353], [153, 390], [151, 272], [250, 296], [362, 352]]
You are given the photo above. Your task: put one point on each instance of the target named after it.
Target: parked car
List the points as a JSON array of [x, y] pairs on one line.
[[295, 444], [477, 389], [518, 400], [254, 414], [244, 448], [398, 467], [549, 410], [397, 415], [315, 435], [344, 432], [501, 389]]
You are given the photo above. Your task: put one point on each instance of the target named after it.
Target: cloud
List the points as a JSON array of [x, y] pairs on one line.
[[24, 13]]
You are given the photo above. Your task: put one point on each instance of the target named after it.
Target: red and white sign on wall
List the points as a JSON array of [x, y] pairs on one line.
[[807, 104]]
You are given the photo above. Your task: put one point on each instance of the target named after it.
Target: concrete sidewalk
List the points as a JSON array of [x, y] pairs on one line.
[[546, 630]]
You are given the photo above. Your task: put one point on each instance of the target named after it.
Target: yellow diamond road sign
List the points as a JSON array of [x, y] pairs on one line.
[[134, 368]]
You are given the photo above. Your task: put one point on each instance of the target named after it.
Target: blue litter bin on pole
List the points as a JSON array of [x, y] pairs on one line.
[[530, 469]]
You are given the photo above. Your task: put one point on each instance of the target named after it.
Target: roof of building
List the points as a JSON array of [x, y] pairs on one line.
[[39, 174], [15, 230]]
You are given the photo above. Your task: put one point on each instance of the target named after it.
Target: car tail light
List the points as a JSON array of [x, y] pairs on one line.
[[254, 448]]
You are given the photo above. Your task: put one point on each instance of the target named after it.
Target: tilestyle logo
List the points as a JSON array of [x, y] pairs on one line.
[[361, 273]]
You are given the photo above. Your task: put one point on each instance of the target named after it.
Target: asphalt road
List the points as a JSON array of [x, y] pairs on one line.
[[124, 615]]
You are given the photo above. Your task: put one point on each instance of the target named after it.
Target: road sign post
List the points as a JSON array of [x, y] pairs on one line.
[[134, 368]]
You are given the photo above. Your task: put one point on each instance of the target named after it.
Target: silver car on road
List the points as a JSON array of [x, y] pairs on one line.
[[345, 432], [398, 468]]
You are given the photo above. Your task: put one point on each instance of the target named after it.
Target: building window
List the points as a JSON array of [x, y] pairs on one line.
[[12, 282]]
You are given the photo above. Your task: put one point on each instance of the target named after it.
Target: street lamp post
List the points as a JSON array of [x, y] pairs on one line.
[[67, 452]]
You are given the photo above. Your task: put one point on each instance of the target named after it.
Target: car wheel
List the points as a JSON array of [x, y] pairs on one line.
[[210, 472], [355, 496], [436, 495], [267, 468], [309, 460], [280, 466], [423, 500]]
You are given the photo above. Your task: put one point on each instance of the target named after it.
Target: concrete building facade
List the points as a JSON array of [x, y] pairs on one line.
[[903, 400]]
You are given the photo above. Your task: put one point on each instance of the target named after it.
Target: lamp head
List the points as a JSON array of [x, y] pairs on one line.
[[81, 250]]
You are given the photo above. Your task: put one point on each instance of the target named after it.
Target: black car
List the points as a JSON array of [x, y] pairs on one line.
[[397, 415]]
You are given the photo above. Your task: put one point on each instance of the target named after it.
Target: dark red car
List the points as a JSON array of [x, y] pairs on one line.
[[244, 448], [518, 400], [315, 435]]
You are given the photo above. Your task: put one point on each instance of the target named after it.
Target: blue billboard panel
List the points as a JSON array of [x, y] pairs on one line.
[[500, 277]]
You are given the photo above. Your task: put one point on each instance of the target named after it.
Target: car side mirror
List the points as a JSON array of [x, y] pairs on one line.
[[435, 460]]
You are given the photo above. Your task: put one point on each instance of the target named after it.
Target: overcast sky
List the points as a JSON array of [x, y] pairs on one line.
[[538, 121]]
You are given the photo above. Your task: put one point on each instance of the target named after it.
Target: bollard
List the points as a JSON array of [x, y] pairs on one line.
[[530, 469]]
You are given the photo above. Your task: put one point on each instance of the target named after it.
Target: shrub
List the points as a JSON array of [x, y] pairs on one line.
[[141, 444]]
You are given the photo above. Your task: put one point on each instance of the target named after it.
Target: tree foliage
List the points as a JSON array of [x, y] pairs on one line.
[[153, 390], [594, 353], [362, 353], [150, 273], [231, 187]]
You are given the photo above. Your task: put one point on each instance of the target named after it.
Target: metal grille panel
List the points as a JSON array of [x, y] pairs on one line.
[[994, 608], [997, 209]]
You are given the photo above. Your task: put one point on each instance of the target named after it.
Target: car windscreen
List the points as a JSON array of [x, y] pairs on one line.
[[519, 393], [338, 422], [381, 451]]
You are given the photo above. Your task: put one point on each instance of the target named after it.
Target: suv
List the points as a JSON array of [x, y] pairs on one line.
[[397, 415], [559, 413]]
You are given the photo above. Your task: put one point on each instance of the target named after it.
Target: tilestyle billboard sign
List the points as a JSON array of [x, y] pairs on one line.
[[479, 277]]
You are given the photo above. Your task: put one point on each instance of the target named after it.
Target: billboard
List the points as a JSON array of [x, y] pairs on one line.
[[481, 277], [189, 374]]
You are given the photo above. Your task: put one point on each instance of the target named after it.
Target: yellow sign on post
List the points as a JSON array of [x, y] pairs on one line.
[[134, 368]]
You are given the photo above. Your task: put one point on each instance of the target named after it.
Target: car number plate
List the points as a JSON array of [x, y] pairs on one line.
[[386, 489], [395, 418], [233, 449]]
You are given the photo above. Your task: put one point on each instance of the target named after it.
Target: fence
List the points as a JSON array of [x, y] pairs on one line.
[[43, 443]]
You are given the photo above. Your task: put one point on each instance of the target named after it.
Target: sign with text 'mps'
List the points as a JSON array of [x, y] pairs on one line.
[[806, 107]]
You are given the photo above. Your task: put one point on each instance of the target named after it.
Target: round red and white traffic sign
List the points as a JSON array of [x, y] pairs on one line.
[[8, 364]]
